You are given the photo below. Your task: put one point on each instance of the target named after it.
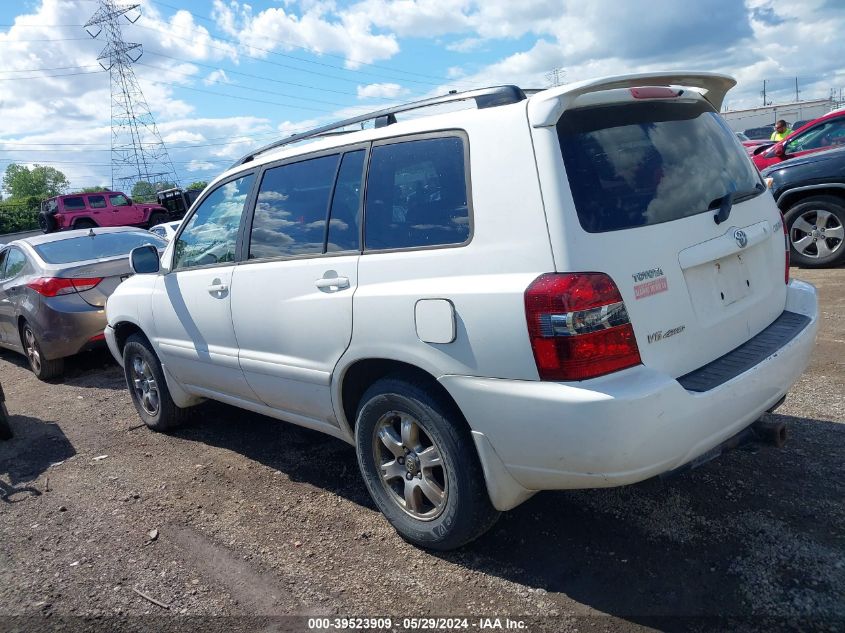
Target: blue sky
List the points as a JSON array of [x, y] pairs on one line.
[[223, 76]]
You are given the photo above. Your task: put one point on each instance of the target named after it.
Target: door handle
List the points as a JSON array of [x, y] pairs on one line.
[[213, 288], [329, 283]]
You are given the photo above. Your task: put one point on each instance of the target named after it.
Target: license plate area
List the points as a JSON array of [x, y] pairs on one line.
[[733, 281]]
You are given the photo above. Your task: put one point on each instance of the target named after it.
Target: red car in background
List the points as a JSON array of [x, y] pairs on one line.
[[103, 208], [822, 133]]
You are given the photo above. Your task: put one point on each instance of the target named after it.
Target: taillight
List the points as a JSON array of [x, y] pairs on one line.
[[54, 286], [578, 326], [786, 246]]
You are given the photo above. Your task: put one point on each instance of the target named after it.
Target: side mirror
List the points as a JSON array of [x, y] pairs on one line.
[[144, 260]]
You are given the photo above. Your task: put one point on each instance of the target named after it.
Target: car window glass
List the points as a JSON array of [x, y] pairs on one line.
[[212, 232], [2, 263], [642, 163], [74, 203], [159, 231], [97, 202], [343, 218], [417, 194], [98, 246], [119, 200], [15, 262], [824, 135], [290, 213]]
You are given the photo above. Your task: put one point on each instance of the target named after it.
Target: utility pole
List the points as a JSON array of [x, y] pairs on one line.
[[137, 149], [555, 77], [764, 93], [796, 89]]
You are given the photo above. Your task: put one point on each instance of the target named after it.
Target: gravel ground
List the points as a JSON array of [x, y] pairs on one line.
[[241, 516]]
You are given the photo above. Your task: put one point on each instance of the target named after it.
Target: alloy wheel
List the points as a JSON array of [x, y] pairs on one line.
[[410, 465], [32, 352], [817, 234], [144, 384]]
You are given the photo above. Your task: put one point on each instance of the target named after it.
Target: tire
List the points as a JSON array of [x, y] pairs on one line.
[[147, 386], [440, 506], [5, 428], [156, 218], [816, 229], [85, 223], [42, 368], [47, 223]]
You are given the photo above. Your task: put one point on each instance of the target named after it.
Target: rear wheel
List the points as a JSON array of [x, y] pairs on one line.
[[43, 368], [84, 223], [419, 463], [147, 386], [47, 223], [816, 229]]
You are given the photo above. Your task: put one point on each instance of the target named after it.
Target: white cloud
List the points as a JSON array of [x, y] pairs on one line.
[[218, 76], [386, 91]]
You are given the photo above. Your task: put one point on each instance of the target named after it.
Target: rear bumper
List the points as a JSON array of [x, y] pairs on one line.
[[622, 428], [67, 325]]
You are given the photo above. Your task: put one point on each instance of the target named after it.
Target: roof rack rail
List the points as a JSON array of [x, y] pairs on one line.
[[484, 98]]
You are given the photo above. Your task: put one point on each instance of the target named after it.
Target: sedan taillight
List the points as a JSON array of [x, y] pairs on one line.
[[578, 326], [55, 286]]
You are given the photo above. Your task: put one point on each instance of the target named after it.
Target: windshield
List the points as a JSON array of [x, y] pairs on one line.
[[637, 164], [100, 246]]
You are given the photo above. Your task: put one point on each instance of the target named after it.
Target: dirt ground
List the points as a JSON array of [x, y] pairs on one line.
[[238, 516]]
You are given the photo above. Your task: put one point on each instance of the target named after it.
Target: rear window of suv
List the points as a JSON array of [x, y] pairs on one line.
[[637, 164]]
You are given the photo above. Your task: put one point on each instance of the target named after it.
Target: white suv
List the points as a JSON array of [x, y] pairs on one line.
[[583, 287]]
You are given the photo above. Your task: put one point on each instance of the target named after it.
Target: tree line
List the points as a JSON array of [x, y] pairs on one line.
[[26, 187]]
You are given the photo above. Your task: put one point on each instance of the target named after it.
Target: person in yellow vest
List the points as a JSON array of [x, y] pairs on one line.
[[782, 130]]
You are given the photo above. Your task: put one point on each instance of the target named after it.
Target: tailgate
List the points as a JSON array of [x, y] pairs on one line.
[[647, 180]]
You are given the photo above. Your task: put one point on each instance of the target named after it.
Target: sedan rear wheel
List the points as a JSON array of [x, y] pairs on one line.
[[43, 368]]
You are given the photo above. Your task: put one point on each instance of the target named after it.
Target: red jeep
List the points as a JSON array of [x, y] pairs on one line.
[[104, 208]]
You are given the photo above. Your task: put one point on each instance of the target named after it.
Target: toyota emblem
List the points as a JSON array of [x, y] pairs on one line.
[[741, 238]]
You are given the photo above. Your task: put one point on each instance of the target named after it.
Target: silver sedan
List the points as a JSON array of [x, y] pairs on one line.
[[53, 291]]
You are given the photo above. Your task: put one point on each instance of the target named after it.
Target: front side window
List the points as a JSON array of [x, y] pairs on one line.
[[824, 135], [417, 194], [119, 200], [15, 263], [97, 202], [637, 164], [291, 210], [211, 234], [74, 203]]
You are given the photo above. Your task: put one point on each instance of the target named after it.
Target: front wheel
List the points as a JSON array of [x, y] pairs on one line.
[[147, 386], [419, 463], [816, 229]]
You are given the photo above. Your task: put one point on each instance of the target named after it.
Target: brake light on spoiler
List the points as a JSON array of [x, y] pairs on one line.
[[578, 326]]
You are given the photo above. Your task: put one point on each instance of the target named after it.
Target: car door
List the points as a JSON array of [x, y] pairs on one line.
[[292, 296], [12, 263], [191, 302], [122, 211], [826, 134], [99, 210]]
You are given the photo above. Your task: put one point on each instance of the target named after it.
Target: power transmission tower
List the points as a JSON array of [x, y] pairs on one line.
[[555, 77], [137, 149]]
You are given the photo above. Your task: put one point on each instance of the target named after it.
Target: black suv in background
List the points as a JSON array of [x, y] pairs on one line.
[[810, 192]]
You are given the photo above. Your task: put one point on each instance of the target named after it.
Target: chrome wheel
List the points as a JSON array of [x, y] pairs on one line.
[[410, 465], [144, 384], [31, 348], [817, 234]]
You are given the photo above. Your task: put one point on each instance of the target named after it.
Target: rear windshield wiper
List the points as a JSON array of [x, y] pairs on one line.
[[725, 203]]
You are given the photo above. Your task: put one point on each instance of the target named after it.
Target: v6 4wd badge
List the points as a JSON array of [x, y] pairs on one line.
[[660, 334]]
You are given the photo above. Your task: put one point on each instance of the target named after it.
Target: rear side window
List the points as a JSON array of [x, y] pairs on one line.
[[417, 194], [74, 203], [645, 163], [100, 246], [97, 202], [293, 202], [15, 263]]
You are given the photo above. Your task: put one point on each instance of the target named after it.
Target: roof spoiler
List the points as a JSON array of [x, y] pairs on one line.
[[545, 109]]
